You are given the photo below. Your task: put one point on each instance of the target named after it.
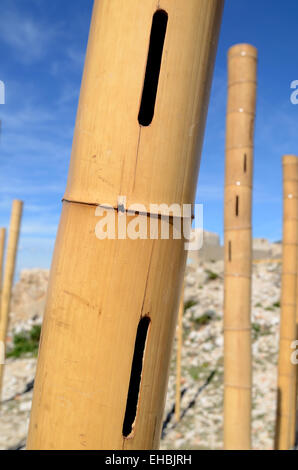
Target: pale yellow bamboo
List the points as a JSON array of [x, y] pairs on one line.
[[295, 425], [295, 421], [2, 246], [99, 290], [242, 63], [286, 398], [178, 358], [11, 254]]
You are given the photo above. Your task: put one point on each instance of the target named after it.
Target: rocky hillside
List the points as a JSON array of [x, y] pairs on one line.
[[202, 360]]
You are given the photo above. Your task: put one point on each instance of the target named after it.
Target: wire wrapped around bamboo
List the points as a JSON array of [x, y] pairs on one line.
[[286, 396], [242, 64], [11, 254], [103, 292]]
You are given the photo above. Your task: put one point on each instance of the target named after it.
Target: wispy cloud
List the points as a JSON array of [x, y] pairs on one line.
[[43, 44], [41, 226], [27, 38]]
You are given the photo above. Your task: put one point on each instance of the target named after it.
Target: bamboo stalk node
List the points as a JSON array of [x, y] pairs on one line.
[[237, 184], [237, 329], [240, 110], [243, 54], [239, 147], [237, 387], [238, 275], [232, 229], [240, 82]]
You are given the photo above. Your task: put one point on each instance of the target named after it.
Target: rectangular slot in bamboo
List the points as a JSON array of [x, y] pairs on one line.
[[157, 38]]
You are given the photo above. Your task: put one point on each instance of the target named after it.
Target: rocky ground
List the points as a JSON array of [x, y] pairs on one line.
[[202, 359], [202, 425]]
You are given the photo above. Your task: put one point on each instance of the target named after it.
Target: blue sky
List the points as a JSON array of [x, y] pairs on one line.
[[42, 46]]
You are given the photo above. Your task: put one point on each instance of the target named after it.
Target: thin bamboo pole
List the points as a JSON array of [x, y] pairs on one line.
[[286, 399], [178, 358], [11, 253], [242, 62], [102, 293], [295, 425], [2, 246], [295, 421]]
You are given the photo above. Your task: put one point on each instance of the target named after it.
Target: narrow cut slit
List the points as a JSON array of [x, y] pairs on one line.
[[157, 39], [135, 377], [237, 206]]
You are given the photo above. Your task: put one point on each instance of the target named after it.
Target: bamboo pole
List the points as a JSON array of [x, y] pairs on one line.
[[178, 358], [2, 246], [242, 62], [286, 399], [295, 421], [295, 425], [11, 253], [104, 295]]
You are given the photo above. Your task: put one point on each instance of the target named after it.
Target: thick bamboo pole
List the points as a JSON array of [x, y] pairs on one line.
[[286, 399], [178, 358], [242, 63], [2, 246], [11, 254], [103, 294]]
